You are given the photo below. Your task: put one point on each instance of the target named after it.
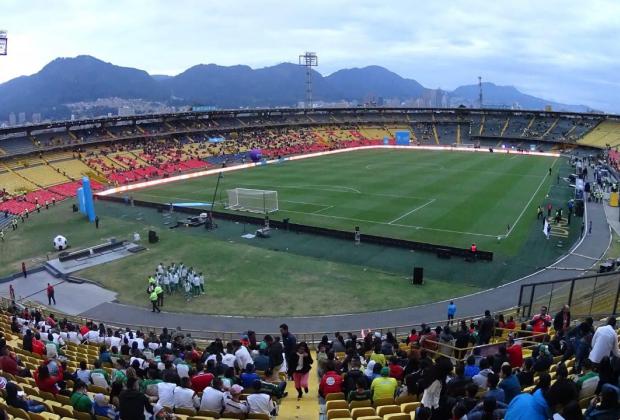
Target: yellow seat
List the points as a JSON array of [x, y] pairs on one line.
[[387, 409], [335, 404], [362, 403], [192, 418], [209, 413], [397, 416], [383, 401], [81, 415], [185, 411], [63, 410], [335, 396], [17, 412], [362, 411], [402, 399], [63, 399], [369, 418], [338, 413], [239, 416], [410, 406]]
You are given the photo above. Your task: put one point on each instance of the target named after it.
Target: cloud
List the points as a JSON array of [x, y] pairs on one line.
[[565, 50]]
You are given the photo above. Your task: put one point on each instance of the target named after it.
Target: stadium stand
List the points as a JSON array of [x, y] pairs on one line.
[[605, 134], [73, 368]]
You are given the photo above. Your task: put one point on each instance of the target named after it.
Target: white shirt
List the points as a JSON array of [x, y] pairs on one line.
[[480, 379], [140, 342], [83, 375], [604, 343], [91, 336], [212, 399], [243, 357], [166, 394], [232, 406], [229, 360], [183, 370], [72, 336], [114, 342], [185, 398], [260, 403]]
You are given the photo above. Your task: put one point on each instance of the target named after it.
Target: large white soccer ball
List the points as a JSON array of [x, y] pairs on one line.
[[60, 242]]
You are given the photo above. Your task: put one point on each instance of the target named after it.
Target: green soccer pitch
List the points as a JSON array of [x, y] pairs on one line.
[[447, 198]]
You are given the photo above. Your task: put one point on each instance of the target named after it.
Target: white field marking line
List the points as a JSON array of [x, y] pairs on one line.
[[154, 182], [304, 202], [529, 202], [323, 209], [393, 224], [443, 168], [411, 211], [335, 186]]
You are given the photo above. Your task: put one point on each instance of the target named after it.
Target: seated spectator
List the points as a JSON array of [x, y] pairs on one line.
[[132, 402], [494, 391], [526, 374], [80, 401], [213, 397], [83, 373], [202, 379], [604, 341], [185, 396], [16, 398], [481, 378], [488, 409], [360, 393], [99, 376], [510, 383], [331, 381], [45, 381], [260, 402], [354, 375], [605, 406], [165, 391], [587, 381], [470, 400], [396, 370], [537, 406], [102, 408], [471, 369], [249, 376], [457, 384], [542, 358], [232, 402], [514, 352], [261, 360], [377, 356], [384, 386], [9, 364]]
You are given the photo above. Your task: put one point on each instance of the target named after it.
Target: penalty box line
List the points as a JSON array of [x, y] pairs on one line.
[[411, 211]]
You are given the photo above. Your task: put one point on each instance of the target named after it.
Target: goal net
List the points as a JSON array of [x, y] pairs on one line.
[[256, 201]]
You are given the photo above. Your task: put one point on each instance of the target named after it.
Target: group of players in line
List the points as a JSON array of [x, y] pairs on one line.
[[169, 280]]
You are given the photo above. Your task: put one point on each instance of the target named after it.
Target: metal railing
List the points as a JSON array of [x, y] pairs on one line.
[[587, 296]]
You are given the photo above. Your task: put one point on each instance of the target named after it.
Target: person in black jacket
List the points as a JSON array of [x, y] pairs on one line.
[[486, 328], [289, 341], [353, 376], [132, 402], [274, 351], [301, 363], [561, 321]]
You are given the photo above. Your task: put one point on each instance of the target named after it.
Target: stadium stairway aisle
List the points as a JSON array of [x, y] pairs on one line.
[[308, 406]]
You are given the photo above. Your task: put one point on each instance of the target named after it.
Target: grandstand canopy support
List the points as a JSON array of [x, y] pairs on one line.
[[308, 60]]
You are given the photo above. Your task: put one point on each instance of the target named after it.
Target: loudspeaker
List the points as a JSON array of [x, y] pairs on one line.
[[418, 275], [153, 237]]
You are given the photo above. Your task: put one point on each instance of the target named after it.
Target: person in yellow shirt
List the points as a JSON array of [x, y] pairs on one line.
[[377, 356], [384, 386]]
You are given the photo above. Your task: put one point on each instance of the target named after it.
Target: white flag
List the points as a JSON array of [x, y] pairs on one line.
[[546, 228]]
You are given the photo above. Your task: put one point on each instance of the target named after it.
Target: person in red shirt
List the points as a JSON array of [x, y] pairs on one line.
[[541, 322], [331, 381], [47, 382], [413, 337], [8, 364], [50, 294], [511, 325], [201, 380], [37, 345], [396, 371], [514, 352]]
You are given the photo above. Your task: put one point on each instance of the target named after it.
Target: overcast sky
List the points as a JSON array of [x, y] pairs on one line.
[[568, 51]]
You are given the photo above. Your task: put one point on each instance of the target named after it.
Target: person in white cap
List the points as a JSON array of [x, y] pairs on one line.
[[232, 403]]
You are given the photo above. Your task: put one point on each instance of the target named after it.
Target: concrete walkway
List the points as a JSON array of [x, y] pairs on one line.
[[71, 298], [591, 248]]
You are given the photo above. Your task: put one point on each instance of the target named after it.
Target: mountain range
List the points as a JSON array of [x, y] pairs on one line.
[[84, 78]]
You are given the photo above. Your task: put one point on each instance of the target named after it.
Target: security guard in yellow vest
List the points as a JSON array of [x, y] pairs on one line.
[[153, 298]]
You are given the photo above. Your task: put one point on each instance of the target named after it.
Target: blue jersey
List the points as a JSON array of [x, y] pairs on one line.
[[451, 309]]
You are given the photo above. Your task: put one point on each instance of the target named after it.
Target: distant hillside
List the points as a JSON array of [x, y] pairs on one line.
[[85, 78]]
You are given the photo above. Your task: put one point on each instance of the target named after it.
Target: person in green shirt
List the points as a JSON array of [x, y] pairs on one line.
[[99, 376], [80, 401], [151, 380], [153, 297], [360, 393], [383, 386]]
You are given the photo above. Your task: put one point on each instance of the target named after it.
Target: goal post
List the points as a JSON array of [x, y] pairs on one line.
[[255, 201]]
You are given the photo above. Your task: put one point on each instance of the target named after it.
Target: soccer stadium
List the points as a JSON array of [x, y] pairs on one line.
[[348, 261]]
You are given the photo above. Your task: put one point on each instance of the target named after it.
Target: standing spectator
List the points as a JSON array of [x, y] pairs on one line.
[[301, 363], [242, 355], [561, 321], [289, 341], [24, 271], [451, 313], [514, 352], [12, 293], [541, 322], [486, 329], [605, 341]]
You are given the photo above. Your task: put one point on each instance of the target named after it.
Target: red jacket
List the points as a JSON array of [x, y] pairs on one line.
[[9, 365], [397, 372], [330, 382], [515, 355], [48, 384], [201, 380], [38, 347]]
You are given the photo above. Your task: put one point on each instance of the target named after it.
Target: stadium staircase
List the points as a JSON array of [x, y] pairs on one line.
[[551, 127], [505, 127], [482, 124]]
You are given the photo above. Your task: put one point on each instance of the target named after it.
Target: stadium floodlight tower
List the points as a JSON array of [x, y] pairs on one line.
[[308, 60], [3, 42]]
